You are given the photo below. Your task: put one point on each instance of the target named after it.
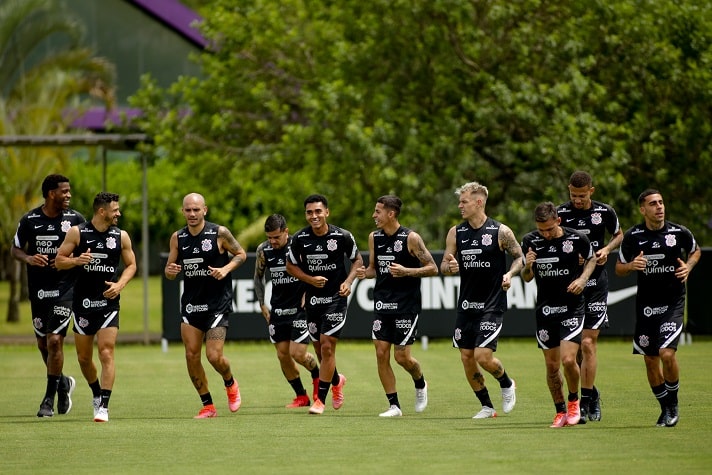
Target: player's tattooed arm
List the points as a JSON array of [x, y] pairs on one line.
[[230, 244]]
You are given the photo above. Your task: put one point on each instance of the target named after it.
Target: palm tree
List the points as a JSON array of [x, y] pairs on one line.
[[36, 90]]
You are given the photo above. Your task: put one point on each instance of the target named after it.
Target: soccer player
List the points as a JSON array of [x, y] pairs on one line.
[[398, 259], [39, 235], [593, 219], [286, 319], [96, 248], [662, 254], [476, 249], [317, 257], [201, 250], [553, 258]]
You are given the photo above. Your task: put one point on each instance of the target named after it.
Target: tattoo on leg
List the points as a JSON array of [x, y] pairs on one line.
[[310, 362], [555, 382], [197, 383], [218, 333], [498, 372], [415, 371], [479, 378]]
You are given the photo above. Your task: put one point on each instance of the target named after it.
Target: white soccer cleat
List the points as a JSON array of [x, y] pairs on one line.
[[485, 413], [421, 398], [509, 398], [102, 415], [393, 411]]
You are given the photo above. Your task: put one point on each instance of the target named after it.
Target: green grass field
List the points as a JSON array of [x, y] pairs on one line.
[[152, 431]]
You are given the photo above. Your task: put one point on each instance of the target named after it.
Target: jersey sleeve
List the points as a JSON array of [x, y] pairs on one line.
[[20, 238]]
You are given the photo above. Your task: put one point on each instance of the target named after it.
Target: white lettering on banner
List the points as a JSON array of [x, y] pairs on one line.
[[362, 290], [244, 295], [521, 294], [440, 292]]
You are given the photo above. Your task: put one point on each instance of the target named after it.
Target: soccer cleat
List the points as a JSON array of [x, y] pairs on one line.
[[421, 399], [102, 415], [485, 413], [337, 393], [573, 413], [96, 404], [393, 411], [315, 392], [46, 408], [299, 401], [583, 407], [207, 412], [317, 407], [594, 409], [671, 415], [559, 420], [64, 394], [509, 398], [661, 418], [233, 397]]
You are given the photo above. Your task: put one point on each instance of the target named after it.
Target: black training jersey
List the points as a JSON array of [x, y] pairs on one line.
[[482, 265], [37, 233], [202, 293], [323, 256], [395, 294], [593, 222], [287, 291], [105, 249], [556, 266], [662, 248]]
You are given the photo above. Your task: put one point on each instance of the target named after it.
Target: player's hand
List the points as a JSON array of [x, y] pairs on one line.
[[173, 269], [113, 290], [398, 270], [640, 262], [361, 272], [345, 289], [453, 266], [83, 258], [530, 258], [218, 273], [319, 281], [39, 260], [506, 282], [683, 271], [601, 256], [577, 286]]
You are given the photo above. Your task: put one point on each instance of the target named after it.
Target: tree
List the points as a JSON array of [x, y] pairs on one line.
[[37, 90], [357, 99]]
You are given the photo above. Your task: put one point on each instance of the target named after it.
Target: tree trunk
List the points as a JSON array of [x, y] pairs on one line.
[[13, 301]]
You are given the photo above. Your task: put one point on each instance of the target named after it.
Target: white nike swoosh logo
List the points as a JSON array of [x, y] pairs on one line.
[[307, 245], [89, 242], [187, 247], [616, 296], [37, 227], [640, 243], [570, 219]]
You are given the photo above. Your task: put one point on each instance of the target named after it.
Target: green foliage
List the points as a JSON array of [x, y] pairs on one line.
[[355, 100]]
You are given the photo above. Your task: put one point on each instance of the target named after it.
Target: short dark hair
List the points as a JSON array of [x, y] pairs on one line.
[[275, 222], [646, 193], [391, 202], [51, 182], [316, 198], [579, 179], [103, 198], [545, 211]]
